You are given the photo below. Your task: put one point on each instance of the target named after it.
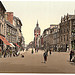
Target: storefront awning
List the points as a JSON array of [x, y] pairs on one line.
[[16, 44], [12, 45], [4, 40]]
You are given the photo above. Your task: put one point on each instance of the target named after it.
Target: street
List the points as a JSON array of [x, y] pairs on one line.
[[58, 62]]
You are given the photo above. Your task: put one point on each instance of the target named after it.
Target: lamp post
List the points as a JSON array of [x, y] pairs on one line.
[[73, 40]]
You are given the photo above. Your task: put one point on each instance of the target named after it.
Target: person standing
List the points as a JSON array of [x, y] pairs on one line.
[[45, 56], [35, 50], [0, 52], [50, 52], [32, 51], [10, 53], [71, 54]]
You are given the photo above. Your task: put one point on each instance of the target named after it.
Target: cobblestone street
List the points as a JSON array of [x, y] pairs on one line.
[[33, 63]]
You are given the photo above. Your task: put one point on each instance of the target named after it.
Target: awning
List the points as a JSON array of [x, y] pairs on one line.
[[4, 40], [12, 45], [16, 44]]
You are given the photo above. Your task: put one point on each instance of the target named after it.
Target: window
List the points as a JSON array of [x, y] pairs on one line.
[[18, 22], [64, 30], [7, 28], [67, 29], [61, 31], [64, 37], [61, 38]]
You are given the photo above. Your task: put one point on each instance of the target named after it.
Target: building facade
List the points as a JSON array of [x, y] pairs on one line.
[[10, 29], [11, 33], [49, 38], [17, 23], [2, 24], [56, 39], [37, 32], [61, 37], [67, 25]]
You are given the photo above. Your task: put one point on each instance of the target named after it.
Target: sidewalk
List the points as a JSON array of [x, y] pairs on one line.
[[21, 52]]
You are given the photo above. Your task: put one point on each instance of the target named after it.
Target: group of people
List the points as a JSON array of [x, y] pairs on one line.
[[7, 53], [36, 50], [45, 54]]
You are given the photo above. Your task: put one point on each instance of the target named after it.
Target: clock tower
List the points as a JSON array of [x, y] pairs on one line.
[[36, 33]]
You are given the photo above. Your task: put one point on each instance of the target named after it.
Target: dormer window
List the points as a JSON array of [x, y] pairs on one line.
[[18, 22]]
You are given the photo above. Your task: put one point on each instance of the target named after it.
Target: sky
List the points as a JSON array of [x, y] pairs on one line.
[[46, 12]]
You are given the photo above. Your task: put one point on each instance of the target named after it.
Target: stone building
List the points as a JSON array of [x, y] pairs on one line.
[[17, 23], [41, 42], [46, 33], [48, 37], [67, 25], [10, 29], [11, 32], [56, 39], [3, 41], [23, 43]]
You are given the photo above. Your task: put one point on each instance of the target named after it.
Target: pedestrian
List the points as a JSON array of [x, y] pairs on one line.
[[32, 51], [45, 56], [50, 52], [14, 54], [4, 53], [10, 53], [35, 50], [71, 55], [0, 52]]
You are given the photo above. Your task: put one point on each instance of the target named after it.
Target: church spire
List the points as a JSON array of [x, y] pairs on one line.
[[37, 24]]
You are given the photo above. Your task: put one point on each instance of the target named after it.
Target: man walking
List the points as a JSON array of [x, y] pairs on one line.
[[45, 56], [71, 55], [50, 52], [32, 51], [35, 50]]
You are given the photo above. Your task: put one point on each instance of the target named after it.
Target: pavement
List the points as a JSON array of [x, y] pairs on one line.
[[58, 62]]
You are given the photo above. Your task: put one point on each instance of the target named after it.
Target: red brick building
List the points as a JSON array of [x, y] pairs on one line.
[[36, 33], [10, 17]]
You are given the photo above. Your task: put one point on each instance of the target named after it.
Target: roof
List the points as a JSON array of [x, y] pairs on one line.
[[46, 30], [73, 17], [37, 28], [17, 19], [7, 22], [2, 6], [69, 17]]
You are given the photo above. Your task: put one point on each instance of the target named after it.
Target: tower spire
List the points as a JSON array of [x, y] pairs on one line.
[[37, 24]]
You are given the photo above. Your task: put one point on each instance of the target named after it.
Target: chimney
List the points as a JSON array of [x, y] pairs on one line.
[[10, 17]]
